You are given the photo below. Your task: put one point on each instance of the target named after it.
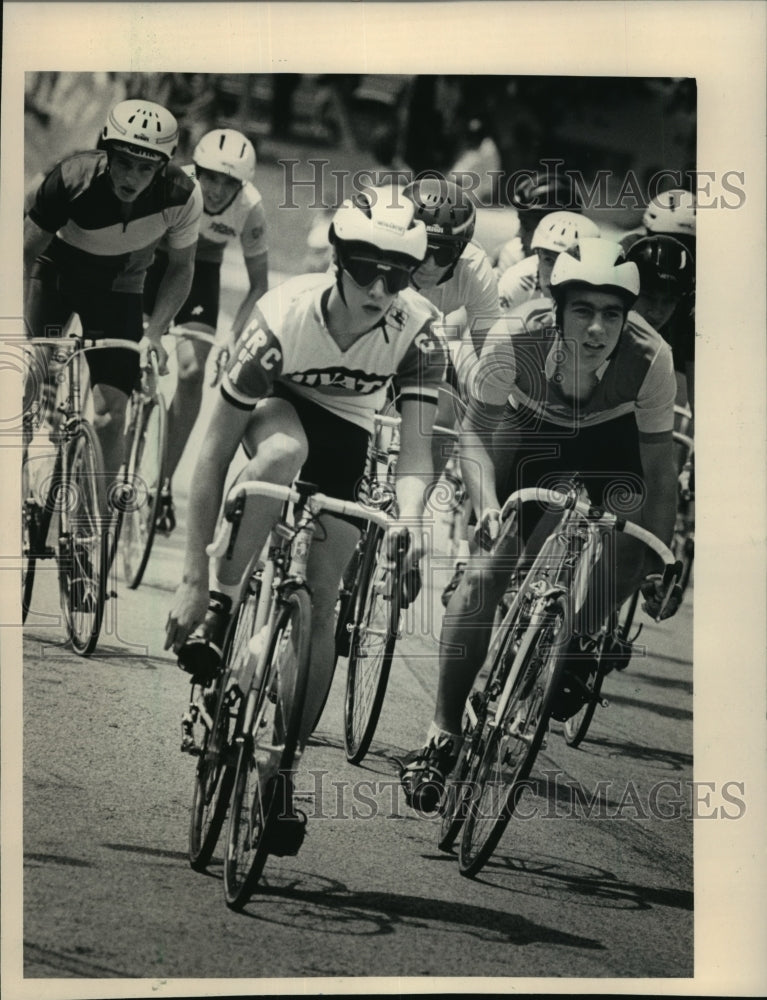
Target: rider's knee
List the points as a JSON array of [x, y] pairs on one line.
[[191, 375], [280, 458], [108, 408]]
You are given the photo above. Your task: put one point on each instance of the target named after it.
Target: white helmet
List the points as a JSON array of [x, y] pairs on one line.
[[142, 128], [227, 152], [558, 231], [382, 218], [598, 263], [671, 213]]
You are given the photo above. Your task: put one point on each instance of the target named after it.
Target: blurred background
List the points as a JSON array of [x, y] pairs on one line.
[[360, 122]]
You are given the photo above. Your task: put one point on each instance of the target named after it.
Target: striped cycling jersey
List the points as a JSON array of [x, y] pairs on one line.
[[288, 341], [517, 366], [94, 244], [471, 286], [519, 284], [242, 219]]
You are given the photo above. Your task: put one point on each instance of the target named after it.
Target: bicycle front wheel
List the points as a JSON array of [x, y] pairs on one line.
[[374, 635], [214, 777], [83, 540], [513, 740], [266, 748], [146, 471]]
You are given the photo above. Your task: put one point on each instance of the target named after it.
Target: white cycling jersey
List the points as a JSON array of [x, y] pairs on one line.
[[288, 341], [519, 284], [243, 219]]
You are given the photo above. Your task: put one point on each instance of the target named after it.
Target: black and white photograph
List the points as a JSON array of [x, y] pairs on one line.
[[364, 390]]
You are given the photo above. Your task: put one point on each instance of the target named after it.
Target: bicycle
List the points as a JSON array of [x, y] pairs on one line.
[[367, 625], [77, 492], [143, 475], [251, 738], [527, 670], [370, 608], [615, 636]]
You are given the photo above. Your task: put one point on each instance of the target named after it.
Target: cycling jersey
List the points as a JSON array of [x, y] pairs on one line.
[[510, 253], [95, 245], [517, 366], [519, 284], [288, 341], [471, 286], [243, 218]]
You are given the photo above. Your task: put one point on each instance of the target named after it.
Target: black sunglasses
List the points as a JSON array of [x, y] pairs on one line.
[[363, 271], [444, 254]]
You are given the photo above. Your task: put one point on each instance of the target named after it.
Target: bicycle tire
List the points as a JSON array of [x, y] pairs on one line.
[[371, 653], [575, 728], [83, 543], [214, 775], [458, 792], [534, 687], [146, 472], [267, 749]]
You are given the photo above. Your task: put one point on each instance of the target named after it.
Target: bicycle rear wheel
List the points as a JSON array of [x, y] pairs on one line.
[[83, 540], [146, 471], [576, 727], [511, 743], [266, 749], [214, 776], [374, 635]]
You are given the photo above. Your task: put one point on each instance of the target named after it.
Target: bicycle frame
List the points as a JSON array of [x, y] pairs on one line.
[[578, 536], [287, 552]]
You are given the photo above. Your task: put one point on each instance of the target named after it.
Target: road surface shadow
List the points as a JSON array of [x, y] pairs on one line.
[[333, 903], [636, 751], [541, 876], [42, 962], [668, 711], [668, 683], [57, 859]]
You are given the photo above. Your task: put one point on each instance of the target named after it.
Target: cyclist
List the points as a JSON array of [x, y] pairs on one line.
[[89, 237], [456, 276], [299, 394], [673, 213], [587, 388], [667, 285], [224, 163], [534, 197], [530, 277]]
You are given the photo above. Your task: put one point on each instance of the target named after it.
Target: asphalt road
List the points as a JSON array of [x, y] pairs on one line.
[[594, 879], [575, 889]]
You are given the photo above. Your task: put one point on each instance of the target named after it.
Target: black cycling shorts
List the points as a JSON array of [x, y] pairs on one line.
[[606, 456], [337, 449], [203, 300], [103, 314]]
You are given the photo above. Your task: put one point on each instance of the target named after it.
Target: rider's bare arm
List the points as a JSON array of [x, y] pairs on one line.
[[258, 276]]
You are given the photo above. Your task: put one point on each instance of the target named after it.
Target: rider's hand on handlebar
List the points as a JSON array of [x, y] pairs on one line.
[[404, 547], [654, 594], [223, 356], [488, 528], [154, 345]]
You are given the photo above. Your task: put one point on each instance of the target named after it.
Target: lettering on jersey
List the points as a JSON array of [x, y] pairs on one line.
[[256, 233], [340, 378], [223, 229], [254, 342], [424, 343]]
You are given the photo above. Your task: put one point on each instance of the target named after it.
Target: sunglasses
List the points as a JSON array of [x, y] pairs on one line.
[[363, 271], [444, 254]]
